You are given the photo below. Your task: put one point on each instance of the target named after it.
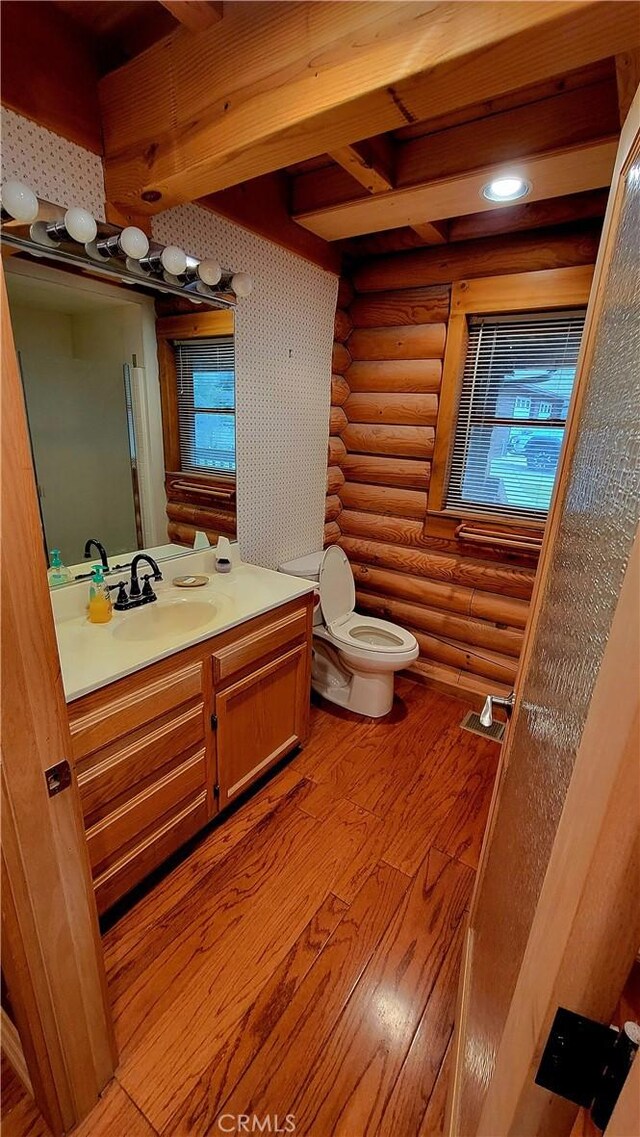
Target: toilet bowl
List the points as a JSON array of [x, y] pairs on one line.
[[354, 656]]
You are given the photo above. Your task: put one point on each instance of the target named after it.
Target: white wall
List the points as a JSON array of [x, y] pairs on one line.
[[284, 335]]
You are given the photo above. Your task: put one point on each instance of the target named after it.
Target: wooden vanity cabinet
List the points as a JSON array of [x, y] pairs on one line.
[[158, 753]]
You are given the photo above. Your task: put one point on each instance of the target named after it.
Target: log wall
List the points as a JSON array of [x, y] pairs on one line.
[[467, 611]]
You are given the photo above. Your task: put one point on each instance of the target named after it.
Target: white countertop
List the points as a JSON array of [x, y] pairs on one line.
[[93, 655]]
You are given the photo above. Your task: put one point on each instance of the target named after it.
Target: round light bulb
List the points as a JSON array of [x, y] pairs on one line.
[[209, 272], [19, 201], [174, 260], [506, 189], [80, 225], [241, 283], [134, 243]]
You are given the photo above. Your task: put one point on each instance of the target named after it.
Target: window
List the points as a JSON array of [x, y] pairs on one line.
[[514, 396], [205, 379]]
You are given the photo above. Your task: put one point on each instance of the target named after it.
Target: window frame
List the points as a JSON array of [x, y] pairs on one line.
[[201, 325], [540, 291]]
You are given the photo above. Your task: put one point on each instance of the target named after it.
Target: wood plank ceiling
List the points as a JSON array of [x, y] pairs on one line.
[[357, 129]]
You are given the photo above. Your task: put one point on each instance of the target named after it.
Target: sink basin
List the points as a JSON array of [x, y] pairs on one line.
[[165, 620]]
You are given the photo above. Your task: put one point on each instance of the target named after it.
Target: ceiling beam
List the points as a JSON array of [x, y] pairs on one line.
[[432, 232], [369, 162], [584, 167], [196, 15], [509, 219], [552, 123], [627, 79], [315, 77]]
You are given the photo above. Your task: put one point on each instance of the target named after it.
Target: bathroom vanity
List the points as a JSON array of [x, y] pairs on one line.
[[171, 722]]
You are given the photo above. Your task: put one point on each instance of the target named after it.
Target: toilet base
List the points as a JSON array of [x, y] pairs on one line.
[[368, 694]]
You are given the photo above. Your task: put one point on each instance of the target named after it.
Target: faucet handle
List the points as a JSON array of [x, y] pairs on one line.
[[146, 588], [121, 599]]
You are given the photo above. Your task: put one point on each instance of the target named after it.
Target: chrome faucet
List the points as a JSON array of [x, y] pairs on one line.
[[137, 595]]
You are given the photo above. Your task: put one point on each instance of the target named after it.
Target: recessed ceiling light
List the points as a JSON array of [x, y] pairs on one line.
[[506, 189]]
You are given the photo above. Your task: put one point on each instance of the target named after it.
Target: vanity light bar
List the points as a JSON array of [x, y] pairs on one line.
[[76, 238]]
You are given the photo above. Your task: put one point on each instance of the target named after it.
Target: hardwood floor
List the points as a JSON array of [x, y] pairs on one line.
[[303, 960]]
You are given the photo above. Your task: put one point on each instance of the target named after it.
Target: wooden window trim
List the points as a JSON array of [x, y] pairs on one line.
[[515, 292], [197, 325]]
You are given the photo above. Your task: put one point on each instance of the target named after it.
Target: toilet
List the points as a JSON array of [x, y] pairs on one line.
[[354, 656]]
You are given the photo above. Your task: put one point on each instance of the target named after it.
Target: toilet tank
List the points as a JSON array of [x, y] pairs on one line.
[[308, 568]]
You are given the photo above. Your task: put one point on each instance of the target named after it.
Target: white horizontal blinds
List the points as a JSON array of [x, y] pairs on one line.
[[516, 386], [206, 403]]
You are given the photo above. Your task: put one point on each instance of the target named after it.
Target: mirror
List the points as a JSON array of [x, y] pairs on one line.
[[88, 356]]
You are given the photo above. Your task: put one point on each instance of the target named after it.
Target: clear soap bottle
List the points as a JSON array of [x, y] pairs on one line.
[[58, 573], [100, 608]]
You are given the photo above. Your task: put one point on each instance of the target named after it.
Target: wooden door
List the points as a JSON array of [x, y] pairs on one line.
[[51, 950], [554, 917], [260, 719]]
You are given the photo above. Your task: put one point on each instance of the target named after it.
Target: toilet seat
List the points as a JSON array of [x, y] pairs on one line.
[[371, 634], [350, 629]]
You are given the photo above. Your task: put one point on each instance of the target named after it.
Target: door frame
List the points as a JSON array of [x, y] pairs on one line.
[[52, 953], [506, 1096]]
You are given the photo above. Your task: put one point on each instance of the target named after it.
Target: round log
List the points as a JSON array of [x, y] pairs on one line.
[[408, 306], [404, 409], [436, 594], [340, 390], [384, 500], [400, 441], [445, 567], [337, 451], [407, 472], [331, 533], [345, 292], [395, 375], [332, 507], [335, 479], [462, 629], [413, 341], [337, 420], [340, 359], [342, 326]]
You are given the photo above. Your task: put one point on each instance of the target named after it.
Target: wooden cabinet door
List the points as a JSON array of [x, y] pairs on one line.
[[260, 719]]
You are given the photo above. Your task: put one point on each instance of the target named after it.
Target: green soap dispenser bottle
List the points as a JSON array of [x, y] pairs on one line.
[[58, 573], [100, 609]]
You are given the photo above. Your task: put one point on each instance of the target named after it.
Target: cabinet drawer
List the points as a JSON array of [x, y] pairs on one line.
[[126, 765], [139, 860], [256, 645], [138, 703], [118, 829]]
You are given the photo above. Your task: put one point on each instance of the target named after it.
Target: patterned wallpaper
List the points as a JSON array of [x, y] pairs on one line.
[[284, 336], [60, 171]]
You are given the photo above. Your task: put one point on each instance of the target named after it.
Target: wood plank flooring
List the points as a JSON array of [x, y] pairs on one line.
[[302, 962]]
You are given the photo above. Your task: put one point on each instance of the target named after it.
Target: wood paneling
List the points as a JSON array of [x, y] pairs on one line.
[[407, 472], [50, 73]]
